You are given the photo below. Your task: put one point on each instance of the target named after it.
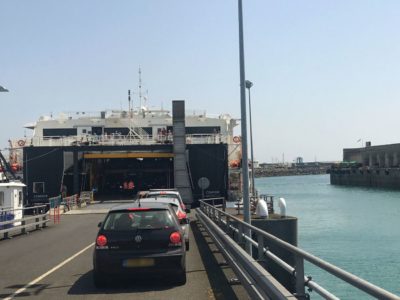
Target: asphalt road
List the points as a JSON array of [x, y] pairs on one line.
[[56, 263]]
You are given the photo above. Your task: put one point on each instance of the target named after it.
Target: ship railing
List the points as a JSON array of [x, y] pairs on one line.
[[9, 225], [120, 140], [214, 138], [231, 235]]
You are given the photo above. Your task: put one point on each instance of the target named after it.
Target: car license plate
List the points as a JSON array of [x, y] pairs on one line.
[[138, 262]]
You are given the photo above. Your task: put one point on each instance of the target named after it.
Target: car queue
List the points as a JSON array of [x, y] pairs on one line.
[[146, 238]]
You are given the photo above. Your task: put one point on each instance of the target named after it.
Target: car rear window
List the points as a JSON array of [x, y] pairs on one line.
[[142, 219]]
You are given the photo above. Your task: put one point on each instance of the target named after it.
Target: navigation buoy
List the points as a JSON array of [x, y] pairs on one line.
[[236, 139]]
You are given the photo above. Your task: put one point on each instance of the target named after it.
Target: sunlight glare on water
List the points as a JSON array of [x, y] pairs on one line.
[[357, 229]]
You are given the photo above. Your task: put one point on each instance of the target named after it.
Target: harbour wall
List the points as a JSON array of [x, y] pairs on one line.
[[272, 172], [370, 166], [377, 177]]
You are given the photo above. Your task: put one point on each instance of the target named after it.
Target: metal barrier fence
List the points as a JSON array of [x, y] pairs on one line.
[[217, 221], [19, 226], [55, 203], [70, 202]]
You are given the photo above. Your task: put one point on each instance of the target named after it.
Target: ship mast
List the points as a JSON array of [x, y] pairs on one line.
[[132, 133], [140, 88]]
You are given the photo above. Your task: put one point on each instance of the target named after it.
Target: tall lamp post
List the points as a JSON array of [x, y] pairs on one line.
[[249, 84], [245, 164], [3, 89]]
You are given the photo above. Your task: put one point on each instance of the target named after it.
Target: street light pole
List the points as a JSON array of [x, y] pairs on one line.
[[245, 165], [249, 84]]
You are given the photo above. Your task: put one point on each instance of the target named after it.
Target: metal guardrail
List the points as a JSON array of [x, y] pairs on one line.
[[39, 219], [258, 283], [216, 221]]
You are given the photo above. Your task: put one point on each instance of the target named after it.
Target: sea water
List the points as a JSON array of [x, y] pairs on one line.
[[354, 228]]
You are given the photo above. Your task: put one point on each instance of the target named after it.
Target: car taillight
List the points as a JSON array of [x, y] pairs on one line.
[[175, 238], [101, 241], [181, 215]]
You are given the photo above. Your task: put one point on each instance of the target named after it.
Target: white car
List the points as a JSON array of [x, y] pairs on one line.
[[173, 193], [180, 213]]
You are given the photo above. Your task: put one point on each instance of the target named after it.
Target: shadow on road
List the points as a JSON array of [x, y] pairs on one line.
[[84, 286], [218, 281]]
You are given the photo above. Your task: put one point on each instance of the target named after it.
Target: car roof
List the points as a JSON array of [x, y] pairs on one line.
[[165, 192], [153, 204], [159, 200]]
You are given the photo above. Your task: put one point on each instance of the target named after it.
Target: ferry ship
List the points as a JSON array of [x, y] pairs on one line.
[[153, 148]]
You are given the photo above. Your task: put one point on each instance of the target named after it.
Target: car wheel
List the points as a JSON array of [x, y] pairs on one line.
[[181, 278], [187, 245], [99, 280]]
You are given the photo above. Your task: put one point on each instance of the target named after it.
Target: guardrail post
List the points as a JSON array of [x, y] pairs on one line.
[[37, 221], [300, 289], [23, 229], [240, 236], [260, 240], [44, 224], [218, 217], [228, 225]]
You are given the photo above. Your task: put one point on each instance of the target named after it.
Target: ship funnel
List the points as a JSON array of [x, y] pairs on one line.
[[282, 207]]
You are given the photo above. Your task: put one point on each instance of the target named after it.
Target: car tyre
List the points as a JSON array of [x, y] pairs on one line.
[[181, 278], [99, 280]]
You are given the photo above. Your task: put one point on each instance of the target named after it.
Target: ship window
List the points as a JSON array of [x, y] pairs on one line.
[[1, 198], [38, 187]]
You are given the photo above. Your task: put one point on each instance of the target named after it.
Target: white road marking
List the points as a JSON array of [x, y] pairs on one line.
[[48, 273]]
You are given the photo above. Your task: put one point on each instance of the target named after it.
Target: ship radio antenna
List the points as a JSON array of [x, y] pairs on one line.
[[129, 100], [132, 132], [140, 88]]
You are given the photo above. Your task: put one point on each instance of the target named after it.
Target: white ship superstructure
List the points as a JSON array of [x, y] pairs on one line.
[[99, 150], [123, 127]]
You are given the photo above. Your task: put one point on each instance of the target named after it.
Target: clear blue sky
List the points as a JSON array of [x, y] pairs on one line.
[[325, 73]]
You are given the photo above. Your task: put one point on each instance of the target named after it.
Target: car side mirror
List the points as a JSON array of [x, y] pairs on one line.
[[187, 210], [99, 225]]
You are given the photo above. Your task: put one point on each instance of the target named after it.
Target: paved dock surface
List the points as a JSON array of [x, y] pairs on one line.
[[56, 263]]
